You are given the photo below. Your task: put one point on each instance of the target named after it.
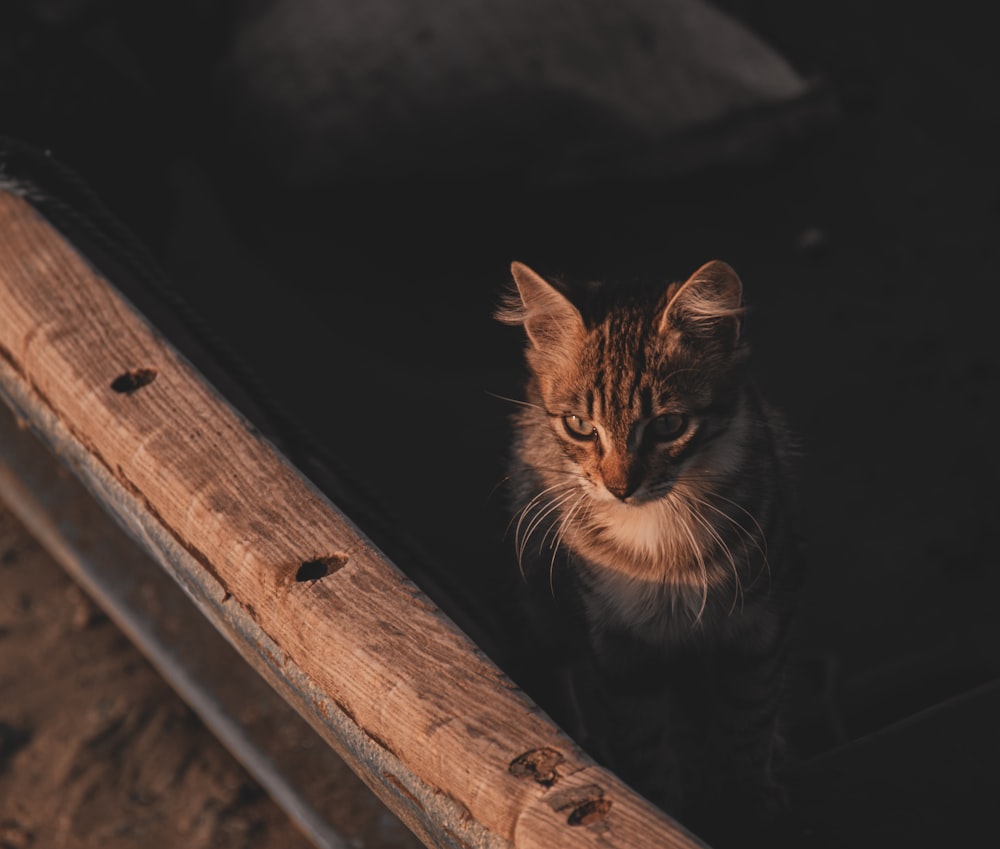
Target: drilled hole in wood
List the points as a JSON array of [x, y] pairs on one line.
[[320, 567], [590, 812], [133, 379], [539, 764]]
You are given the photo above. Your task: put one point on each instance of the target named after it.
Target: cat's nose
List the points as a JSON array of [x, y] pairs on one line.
[[620, 491], [622, 476]]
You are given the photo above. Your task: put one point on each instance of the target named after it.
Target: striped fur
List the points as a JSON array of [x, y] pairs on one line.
[[650, 490]]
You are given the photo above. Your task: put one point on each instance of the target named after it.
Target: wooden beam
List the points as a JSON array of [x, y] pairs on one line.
[[428, 722], [301, 774]]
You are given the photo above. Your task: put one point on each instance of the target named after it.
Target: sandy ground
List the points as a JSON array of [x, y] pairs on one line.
[[95, 749]]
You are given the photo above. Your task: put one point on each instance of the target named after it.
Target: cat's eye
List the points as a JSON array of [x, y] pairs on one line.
[[667, 427], [579, 428]]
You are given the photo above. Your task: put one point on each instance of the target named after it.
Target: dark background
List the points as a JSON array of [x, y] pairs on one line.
[[353, 321]]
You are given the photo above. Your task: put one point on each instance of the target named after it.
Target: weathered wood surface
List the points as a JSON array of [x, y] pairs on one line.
[[302, 775], [437, 731]]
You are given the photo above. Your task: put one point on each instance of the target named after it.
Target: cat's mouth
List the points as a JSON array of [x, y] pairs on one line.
[[642, 495]]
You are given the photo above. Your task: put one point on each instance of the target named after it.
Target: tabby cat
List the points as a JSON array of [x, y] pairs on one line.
[[652, 493]]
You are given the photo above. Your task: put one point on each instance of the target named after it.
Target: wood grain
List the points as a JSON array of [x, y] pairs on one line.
[[440, 734], [311, 784]]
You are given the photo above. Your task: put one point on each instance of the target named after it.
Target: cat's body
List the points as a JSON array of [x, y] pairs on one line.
[[651, 490]]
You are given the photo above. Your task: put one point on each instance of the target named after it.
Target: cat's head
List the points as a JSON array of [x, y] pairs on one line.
[[634, 382]]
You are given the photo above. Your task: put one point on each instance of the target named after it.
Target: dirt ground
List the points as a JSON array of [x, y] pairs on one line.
[[95, 749]]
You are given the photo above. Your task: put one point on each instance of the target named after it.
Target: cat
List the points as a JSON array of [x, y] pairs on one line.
[[652, 497]]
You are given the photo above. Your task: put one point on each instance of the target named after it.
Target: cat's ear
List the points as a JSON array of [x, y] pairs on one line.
[[709, 305], [549, 319]]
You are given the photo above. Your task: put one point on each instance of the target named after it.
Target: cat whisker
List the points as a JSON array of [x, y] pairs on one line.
[[703, 475], [554, 505], [537, 517], [682, 517], [713, 532], [564, 472], [760, 543], [497, 485], [553, 530], [516, 401], [520, 514], [564, 523]]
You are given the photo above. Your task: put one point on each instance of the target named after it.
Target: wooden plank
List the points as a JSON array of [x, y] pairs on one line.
[[303, 775], [433, 727]]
